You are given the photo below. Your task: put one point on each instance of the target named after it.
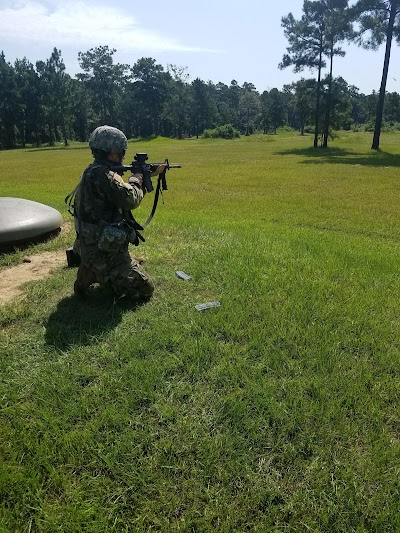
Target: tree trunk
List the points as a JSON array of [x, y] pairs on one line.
[[64, 131], [24, 135], [316, 131], [328, 103], [382, 90], [52, 137]]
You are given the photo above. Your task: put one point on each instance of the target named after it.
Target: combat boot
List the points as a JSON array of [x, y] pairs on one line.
[[84, 279]]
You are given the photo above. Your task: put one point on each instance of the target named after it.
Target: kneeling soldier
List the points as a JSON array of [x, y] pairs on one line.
[[103, 221]]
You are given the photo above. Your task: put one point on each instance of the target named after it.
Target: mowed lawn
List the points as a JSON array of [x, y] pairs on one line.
[[277, 411]]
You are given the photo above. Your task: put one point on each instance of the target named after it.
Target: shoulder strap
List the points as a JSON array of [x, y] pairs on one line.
[[156, 196], [70, 201]]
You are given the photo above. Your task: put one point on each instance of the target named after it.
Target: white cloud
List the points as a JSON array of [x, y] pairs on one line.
[[76, 23]]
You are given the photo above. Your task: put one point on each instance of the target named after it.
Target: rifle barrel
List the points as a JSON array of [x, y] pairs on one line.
[[168, 166]]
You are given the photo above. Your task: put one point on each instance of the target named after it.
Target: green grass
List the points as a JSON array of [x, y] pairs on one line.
[[275, 412]]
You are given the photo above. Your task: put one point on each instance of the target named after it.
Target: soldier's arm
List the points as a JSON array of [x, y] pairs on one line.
[[121, 194]]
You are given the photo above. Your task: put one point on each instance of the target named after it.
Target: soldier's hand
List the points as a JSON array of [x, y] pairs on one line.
[[158, 170]]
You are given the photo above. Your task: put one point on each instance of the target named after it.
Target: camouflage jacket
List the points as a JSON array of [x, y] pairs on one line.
[[102, 196]]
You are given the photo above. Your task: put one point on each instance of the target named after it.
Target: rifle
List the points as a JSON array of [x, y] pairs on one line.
[[140, 166]]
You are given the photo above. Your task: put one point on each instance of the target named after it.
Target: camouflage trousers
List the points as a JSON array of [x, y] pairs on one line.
[[118, 271]]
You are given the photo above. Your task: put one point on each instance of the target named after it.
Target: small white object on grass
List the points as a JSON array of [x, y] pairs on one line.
[[208, 305], [182, 275]]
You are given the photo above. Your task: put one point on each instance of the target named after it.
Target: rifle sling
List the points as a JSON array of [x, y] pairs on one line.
[[156, 197]]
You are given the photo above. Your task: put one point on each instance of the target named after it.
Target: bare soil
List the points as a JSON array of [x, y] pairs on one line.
[[33, 268]]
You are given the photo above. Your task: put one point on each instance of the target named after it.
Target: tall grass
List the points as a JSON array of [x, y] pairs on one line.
[[276, 411]]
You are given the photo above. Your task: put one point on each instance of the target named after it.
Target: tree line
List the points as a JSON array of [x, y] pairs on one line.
[[42, 104]]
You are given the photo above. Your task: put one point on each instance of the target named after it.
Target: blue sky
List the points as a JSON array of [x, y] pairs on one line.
[[217, 40]]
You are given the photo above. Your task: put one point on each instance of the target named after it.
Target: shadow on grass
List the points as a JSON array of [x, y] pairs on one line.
[[7, 248], [342, 156], [143, 139], [79, 321], [85, 145], [57, 148]]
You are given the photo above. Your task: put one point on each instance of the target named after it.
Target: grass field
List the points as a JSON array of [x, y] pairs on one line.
[[275, 412]]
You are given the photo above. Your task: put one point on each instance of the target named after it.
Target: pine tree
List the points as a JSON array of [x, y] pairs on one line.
[[324, 23], [379, 22], [104, 79]]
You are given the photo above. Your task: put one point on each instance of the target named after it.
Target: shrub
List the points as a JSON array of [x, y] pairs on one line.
[[224, 132], [285, 128], [309, 128]]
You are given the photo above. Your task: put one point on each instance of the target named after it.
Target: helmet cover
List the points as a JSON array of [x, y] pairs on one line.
[[108, 139]]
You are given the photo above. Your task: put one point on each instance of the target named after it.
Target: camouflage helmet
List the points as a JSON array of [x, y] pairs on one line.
[[108, 139]]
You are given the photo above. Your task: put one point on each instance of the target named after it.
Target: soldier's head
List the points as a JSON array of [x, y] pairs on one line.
[[108, 143]]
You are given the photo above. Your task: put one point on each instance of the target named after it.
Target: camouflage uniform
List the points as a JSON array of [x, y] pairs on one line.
[[103, 198]]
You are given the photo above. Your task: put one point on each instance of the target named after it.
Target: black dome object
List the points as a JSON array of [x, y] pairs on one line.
[[24, 220]]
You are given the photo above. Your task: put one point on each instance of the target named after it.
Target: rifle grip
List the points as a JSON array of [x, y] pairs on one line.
[[147, 184]]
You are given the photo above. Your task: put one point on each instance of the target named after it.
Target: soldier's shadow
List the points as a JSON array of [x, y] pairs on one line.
[[80, 321]]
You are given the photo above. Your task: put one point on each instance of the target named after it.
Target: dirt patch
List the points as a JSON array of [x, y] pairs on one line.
[[66, 228], [33, 268]]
